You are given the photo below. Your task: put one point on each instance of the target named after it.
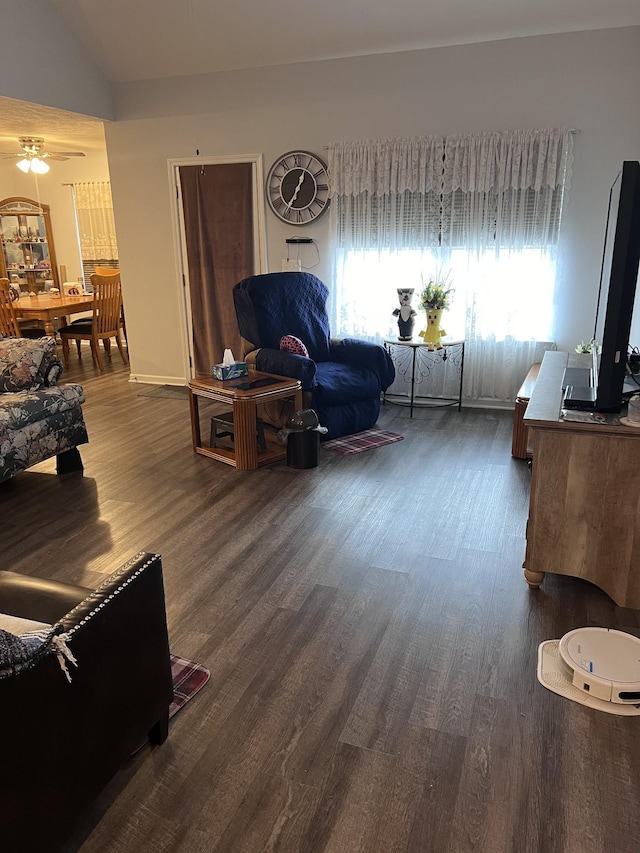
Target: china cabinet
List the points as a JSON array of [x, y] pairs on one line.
[[28, 257]]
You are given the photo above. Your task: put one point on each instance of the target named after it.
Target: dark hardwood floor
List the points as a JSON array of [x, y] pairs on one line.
[[371, 640]]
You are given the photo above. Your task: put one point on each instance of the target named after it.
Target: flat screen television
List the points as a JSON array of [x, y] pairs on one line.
[[616, 294]]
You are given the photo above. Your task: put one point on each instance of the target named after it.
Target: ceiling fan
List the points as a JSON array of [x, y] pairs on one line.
[[33, 157]]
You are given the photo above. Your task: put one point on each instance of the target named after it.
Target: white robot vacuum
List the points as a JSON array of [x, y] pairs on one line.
[[598, 667], [605, 663]]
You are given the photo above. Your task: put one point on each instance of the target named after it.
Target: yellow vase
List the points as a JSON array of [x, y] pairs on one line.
[[433, 333]]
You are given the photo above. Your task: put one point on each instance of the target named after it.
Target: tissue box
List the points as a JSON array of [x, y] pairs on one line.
[[69, 288], [230, 371]]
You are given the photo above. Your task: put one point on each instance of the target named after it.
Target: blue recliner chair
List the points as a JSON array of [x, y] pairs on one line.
[[341, 379]]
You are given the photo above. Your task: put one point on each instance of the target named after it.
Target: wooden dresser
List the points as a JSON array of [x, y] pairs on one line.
[[584, 509]]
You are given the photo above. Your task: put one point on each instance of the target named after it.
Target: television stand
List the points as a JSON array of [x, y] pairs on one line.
[[584, 507]]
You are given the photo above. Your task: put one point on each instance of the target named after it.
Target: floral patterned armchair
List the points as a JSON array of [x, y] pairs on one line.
[[38, 418]]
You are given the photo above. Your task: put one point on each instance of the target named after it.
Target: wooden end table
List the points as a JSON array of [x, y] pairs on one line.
[[245, 456]]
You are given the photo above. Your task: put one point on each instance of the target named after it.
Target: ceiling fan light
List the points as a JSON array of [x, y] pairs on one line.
[[39, 166], [24, 165]]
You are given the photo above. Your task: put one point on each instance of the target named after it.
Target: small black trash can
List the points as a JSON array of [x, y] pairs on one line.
[[303, 449], [303, 441]]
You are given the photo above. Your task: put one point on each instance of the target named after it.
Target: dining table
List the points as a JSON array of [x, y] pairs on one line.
[[47, 307]]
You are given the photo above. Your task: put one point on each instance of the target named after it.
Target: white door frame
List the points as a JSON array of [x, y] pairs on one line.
[[180, 242]]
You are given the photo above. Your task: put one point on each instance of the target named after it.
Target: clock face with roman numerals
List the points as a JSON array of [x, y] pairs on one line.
[[298, 187]]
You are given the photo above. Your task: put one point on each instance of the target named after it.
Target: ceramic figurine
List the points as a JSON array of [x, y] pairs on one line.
[[405, 314], [434, 332]]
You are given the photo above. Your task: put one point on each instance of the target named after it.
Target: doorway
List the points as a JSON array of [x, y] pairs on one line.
[[221, 215]]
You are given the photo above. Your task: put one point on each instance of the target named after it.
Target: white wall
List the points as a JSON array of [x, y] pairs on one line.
[[42, 62], [584, 80]]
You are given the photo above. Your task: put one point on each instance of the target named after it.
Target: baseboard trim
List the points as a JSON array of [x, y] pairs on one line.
[[487, 404], [158, 380]]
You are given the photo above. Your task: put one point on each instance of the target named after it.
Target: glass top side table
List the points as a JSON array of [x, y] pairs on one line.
[[414, 362]]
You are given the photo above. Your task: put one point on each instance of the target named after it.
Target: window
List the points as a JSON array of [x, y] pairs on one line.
[[486, 209], [96, 227]]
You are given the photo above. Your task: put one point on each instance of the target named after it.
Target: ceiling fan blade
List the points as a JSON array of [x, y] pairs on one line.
[[32, 147], [62, 155]]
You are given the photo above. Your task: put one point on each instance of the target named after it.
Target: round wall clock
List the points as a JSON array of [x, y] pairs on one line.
[[298, 187]]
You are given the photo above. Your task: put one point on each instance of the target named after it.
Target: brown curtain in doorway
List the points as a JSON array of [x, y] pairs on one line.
[[218, 215]]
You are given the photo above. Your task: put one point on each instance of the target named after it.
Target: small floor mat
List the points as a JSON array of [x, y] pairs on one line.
[[366, 440], [556, 676], [188, 677]]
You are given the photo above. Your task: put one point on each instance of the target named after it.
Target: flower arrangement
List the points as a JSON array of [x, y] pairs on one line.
[[436, 294], [585, 347]]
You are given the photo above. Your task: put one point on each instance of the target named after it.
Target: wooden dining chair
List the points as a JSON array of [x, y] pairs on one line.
[[109, 271], [103, 325], [106, 271], [9, 327]]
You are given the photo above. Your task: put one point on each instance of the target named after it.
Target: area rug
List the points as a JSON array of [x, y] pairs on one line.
[[366, 440], [188, 677]]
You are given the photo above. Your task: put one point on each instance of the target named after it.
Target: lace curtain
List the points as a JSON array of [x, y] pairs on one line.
[[96, 226], [485, 208]]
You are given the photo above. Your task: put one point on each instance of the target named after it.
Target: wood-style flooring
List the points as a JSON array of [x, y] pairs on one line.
[[371, 640]]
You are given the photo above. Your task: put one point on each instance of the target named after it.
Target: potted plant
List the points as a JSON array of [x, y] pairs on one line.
[[435, 298], [583, 347], [584, 357]]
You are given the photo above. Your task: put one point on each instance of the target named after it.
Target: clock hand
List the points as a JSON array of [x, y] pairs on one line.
[[295, 195]]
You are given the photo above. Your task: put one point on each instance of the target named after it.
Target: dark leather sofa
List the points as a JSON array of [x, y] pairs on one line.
[[62, 742]]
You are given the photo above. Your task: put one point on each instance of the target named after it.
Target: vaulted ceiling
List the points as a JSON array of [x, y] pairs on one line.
[[147, 39]]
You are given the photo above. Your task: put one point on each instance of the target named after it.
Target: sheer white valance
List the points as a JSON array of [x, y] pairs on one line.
[[505, 190], [507, 160], [482, 162], [476, 190], [385, 168], [96, 224]]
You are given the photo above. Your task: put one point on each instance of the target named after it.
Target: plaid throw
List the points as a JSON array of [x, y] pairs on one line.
[[366, 440]]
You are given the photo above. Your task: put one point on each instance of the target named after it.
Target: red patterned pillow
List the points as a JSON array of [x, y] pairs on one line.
[[291, 344]]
